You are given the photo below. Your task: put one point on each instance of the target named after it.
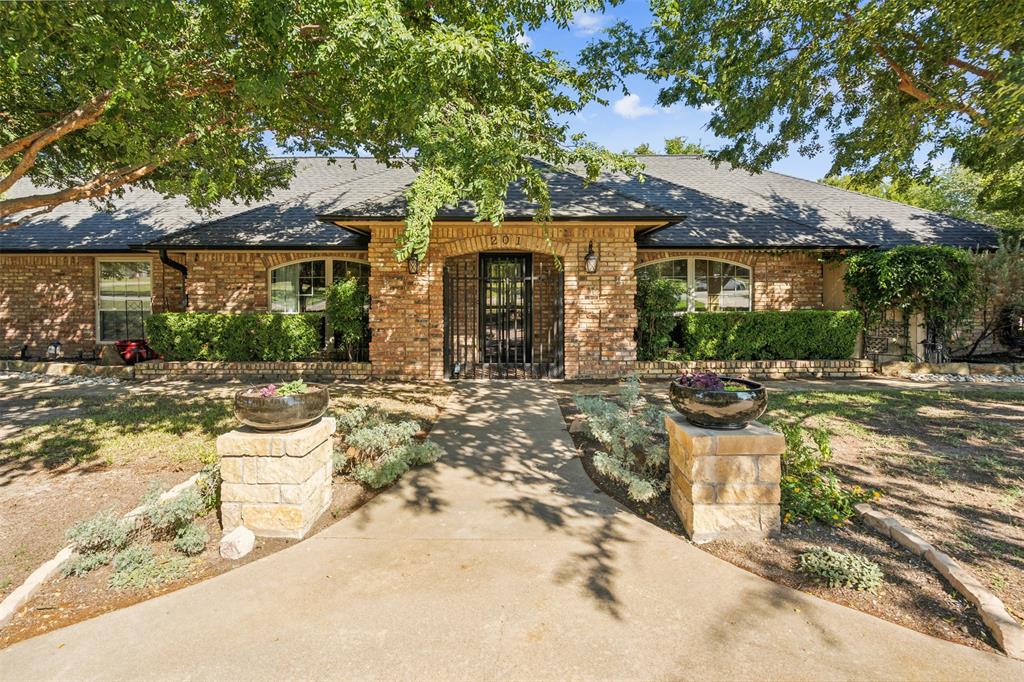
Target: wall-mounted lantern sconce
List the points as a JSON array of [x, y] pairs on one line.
[[590, 260], [413, 262]]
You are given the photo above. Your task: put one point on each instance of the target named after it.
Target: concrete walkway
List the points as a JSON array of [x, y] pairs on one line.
[[500, 562]]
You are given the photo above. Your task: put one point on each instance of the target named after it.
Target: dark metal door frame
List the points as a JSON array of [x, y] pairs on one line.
[[514, 332]]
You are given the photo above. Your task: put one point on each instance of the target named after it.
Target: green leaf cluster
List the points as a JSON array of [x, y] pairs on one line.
[[841, 569], [889, 86], [199, 93], [234, 337], [935, 281], [384, 449], [768, 335], [631, 433], [348, 313], [810, 491], [656, 300]]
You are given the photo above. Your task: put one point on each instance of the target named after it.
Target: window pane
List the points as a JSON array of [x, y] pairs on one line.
[[721, 286], [673, 270], [125, 299], [284, 289], [343, 269]]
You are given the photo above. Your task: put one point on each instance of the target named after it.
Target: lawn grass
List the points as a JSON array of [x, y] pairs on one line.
[[116, 433]]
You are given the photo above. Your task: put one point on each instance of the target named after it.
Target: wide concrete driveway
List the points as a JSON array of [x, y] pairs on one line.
[[500, 562]]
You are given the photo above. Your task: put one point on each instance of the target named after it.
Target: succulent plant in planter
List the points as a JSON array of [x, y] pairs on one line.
[[276, 407], [711, 401]]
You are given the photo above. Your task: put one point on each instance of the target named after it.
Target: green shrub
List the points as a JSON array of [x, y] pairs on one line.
[[234, 337], [191, 539], [137, 566], [348, 313], [102, 532], [96, 539], [656, 300], [386, 449], [208, 486], [169, 517], [841, 569], [810, 491], [629, 430], [769, 335]]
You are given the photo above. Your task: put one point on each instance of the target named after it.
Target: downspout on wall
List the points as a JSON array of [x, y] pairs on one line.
[[165, 259]]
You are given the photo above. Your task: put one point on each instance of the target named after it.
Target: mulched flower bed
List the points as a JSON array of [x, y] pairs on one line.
[[913, 595], [65, 601]]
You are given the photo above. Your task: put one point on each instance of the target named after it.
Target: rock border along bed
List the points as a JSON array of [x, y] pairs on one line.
[[42, 575], [1007, 632]]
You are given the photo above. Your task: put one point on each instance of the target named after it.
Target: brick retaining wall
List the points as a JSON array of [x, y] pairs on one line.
[[255, 371], [761, 369]]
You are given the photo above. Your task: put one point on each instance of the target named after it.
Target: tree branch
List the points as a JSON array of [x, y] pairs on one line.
[[100, 185], [85, 115]]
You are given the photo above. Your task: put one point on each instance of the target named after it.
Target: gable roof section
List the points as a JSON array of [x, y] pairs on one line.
[[725, 206], [705, 206]]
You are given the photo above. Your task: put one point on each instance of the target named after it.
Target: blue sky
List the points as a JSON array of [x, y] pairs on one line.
[[630, 120]]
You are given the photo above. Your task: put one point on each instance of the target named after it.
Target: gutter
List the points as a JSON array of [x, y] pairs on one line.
[[165, 259]]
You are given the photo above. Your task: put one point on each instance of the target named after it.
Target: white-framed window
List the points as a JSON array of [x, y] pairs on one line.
[[705, 284], [300, 287], [125, 298]]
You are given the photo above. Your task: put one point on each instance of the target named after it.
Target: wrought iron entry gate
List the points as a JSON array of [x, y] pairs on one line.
[[503, 317]]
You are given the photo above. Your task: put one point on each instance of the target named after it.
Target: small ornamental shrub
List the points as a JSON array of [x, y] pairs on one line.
[[386, 449], [810, 491], [630, 432], [168, 517], [234, 337], [137, 567], [208, 486], [191, 539], [841, 569], [656, 301], [768, 335], [348, 306], [96, 540]]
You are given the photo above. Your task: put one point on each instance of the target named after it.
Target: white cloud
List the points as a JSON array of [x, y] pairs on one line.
[[524, 40], [588, 23], [629, 107]]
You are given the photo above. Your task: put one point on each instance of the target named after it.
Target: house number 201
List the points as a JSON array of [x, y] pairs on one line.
[[506, 240]]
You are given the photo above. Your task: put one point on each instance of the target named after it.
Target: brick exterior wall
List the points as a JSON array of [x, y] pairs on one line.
[[783, 280], [407, 313], [238, 281], [53, 298]]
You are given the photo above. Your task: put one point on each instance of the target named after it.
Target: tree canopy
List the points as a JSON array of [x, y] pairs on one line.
[[178, 96], [674, 146], [890, 85]]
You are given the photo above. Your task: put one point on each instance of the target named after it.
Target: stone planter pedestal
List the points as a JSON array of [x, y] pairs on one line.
[[725, 484], [276, 483]]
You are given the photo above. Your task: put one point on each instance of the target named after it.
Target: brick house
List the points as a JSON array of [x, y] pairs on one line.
[[484, 296]]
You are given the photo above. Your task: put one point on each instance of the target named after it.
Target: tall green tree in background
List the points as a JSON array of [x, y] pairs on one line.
[[890, 85], [177, 96], [674, 146]]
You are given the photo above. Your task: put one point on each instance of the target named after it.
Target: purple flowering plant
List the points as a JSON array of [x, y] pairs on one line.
[[268, 391], [708, 381]]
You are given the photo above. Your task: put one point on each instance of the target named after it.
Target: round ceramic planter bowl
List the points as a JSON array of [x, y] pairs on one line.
[[720, 409], [280, 412]]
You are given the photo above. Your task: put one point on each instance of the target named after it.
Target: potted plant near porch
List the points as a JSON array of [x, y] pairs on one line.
[[711, 401], [278, 407]]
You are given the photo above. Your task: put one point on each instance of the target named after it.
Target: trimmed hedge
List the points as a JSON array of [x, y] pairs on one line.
[[768, 335], [234, 337]]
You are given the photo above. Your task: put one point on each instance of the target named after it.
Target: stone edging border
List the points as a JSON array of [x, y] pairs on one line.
[[42, 575], [1007, 632]]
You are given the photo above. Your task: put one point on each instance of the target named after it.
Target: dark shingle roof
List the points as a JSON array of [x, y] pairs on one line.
[[712, 207], [725, 206]]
